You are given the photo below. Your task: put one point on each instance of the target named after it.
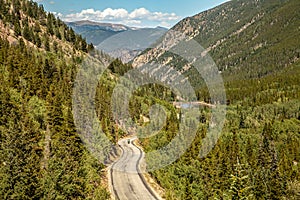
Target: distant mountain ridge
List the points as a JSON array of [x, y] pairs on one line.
[[118, 40], [95, 32], [86, 25]]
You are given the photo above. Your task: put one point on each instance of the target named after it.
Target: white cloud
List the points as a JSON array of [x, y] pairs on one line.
[[139, 13], [136, 17]]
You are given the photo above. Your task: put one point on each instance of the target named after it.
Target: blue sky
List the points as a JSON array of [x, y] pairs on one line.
[[140, 13]]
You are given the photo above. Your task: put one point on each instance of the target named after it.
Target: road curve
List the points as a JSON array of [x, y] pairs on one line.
[[126, 181]]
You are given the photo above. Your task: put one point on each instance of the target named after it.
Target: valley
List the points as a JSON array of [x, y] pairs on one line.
[[78, 123]]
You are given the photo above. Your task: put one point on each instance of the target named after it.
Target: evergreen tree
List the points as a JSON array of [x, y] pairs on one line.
[[17, 28], [240, 187]]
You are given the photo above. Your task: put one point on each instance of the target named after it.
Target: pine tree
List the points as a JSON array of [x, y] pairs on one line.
[[26, 33], [37, 40], [46, 43], [17, 28], [240, 187]]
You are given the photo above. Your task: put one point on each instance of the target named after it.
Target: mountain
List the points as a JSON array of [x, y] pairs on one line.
[[239, 33], [256, 47], [42, 155], [42, 63], [117, 40], [95, 32], [86, 25], [46, 72], [128, 44]]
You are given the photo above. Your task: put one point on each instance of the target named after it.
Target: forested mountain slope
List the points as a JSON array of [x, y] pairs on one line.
[[255, 45], [41, 154], [246, 39], [257, 156]]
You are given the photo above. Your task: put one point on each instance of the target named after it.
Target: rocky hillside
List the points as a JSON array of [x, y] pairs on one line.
[[246, 39], [27, 21]]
